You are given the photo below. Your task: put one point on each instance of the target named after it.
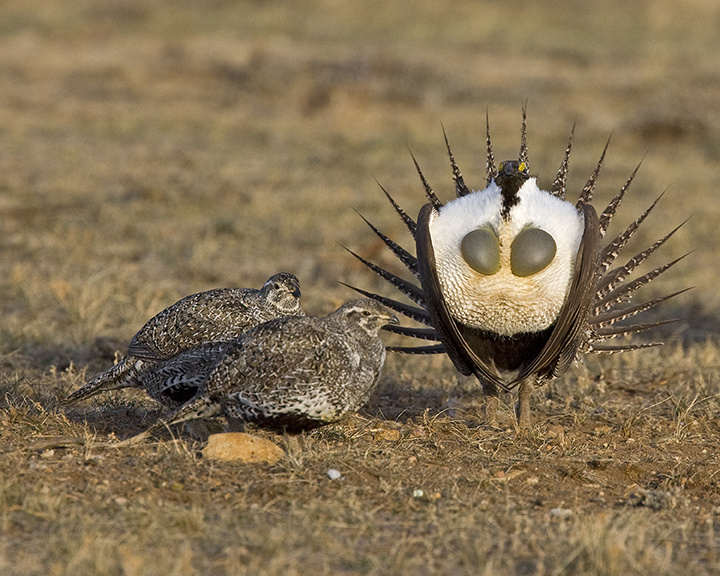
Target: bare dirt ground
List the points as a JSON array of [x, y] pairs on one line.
[[149, 150]]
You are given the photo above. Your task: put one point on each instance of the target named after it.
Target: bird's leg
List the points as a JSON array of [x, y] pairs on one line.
[[492, 401], [198, 407], [491, 410], [522, 408]]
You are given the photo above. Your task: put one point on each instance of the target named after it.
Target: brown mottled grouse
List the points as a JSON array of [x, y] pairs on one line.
[[292, 372], [206, 317]]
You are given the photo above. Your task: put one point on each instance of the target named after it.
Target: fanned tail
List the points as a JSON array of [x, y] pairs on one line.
[[615, 288]]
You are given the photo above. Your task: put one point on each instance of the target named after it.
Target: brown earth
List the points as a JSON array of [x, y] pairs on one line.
[[152, 150]]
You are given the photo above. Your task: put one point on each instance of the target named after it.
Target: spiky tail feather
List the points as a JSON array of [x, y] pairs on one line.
[[124, 374]]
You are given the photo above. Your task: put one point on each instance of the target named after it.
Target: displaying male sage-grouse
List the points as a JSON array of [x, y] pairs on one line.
[[291, 372], [214, 315], [514, 280]]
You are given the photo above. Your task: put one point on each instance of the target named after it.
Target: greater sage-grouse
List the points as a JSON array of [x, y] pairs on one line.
[[293, 372], [514, 280], [206, 317]]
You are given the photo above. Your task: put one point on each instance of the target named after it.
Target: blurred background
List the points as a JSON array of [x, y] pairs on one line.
[[151, 149]]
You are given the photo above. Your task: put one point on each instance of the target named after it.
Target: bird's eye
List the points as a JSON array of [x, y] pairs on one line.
[[481, 250], [366, 313], [531, 251]]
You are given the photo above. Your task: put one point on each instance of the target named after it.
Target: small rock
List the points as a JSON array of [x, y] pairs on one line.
[[419, 494], [561, 513], [333, 474], [385, 435], [601, 430], [243, 447]]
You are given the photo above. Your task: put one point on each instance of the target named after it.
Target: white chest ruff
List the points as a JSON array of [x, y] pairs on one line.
[[502, 302]]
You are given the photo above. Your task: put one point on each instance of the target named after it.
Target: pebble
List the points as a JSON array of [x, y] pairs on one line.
[[333, 474]]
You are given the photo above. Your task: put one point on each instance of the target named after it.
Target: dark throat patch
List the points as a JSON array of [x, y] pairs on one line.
[[512, 174]]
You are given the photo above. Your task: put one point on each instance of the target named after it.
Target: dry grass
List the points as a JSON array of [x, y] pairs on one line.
[[151, 150]]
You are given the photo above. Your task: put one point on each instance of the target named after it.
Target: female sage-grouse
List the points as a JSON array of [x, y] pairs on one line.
[[292, 372], [214, 315], [514, 281]]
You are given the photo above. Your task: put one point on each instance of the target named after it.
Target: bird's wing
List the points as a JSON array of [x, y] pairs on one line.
[[178, 379], [198, 318], [462, 355], [274, 355], [569, 329]]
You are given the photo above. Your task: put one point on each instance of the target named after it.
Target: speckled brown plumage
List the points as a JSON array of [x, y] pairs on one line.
[[291, 372], [206, 317]]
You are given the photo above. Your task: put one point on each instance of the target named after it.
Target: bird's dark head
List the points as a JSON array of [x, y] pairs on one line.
[[512, 174]]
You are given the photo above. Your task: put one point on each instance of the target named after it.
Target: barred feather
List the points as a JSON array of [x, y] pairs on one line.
[[428, 191], [558, 185], [410, 290], [612, 207], [409, 222], [614, 277], [461, 188], [418, 333], [523, 156], [124, 374], [616, 348], [618, 314], [587, 192], [491, 170], [434, 349], [615, 330], [626, 290], [414, 313], [403, 255], [611, 251]]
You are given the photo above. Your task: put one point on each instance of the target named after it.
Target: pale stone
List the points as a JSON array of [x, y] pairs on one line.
[[242, 447]]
